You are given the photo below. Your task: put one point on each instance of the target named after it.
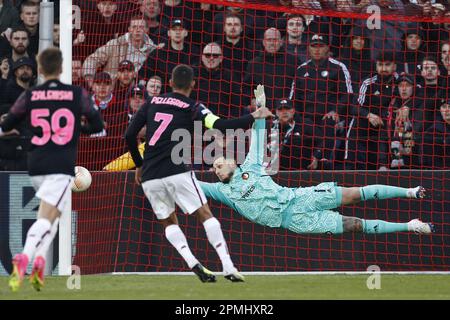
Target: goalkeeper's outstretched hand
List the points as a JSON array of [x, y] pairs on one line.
[[262, 112]]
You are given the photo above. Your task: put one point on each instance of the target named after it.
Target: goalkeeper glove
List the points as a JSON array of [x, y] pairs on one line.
[[260, 96]]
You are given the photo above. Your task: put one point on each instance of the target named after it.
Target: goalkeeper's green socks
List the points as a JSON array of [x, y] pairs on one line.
[[380, 226], [380, 192]]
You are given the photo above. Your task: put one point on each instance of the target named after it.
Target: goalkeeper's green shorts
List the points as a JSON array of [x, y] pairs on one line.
[[310, 211]]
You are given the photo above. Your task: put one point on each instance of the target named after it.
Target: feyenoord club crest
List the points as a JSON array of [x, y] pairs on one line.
[[245, 176], [324, 74]]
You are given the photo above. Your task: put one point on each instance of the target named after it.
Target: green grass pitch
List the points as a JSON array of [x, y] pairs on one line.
[[256, 287]]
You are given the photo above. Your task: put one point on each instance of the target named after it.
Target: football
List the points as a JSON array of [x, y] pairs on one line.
[[82, 181]]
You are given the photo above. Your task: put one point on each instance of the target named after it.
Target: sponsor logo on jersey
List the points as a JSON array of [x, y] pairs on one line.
[[249, 192]]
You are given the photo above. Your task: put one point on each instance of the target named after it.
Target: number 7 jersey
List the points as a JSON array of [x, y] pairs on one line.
[[52, 112]]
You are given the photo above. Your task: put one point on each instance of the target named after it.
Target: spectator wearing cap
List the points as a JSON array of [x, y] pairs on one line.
[[157, 24], [413, 51], [273, 68], [126, 77], [321, 91], [248, 18], [406, 125], [154, 86], [134, 46], [436, 145], [357, 57], [178, 51], [295, 43], [236, 50], [298, 144], [29, 14], [24, 77], [367, 145], [214, 84], [101, 25]]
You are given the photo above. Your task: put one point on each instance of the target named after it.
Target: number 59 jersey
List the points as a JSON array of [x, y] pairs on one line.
[[52, 112]]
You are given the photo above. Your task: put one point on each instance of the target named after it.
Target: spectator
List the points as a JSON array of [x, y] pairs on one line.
[[436, 146], [24, 77], [406, 125], [56, 34], [13, 150], [357, 57], [154, 86], [202, 23], [77, 77], [19, 45], [274, 68], [294, 39], [151, 9], [236, 50], [248, 19], [101, 26], [321, 92], [214, 85], [299, 142], [134, 46], [445, 59], [434, 31], [176, 9], [29, 14], [434, 87], [126, 77], [388, 36], [341, 27], [103, 99], [178, 51], [368, 144], [9, 16], [413, 51]]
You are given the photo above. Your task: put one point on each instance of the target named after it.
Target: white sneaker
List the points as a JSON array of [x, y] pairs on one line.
[[416, 193], [420, 227]]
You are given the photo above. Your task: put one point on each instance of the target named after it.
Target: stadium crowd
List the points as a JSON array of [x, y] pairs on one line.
[[346, 96]]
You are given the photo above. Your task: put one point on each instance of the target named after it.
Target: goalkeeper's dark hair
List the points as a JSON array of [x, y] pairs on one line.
[[182, 77], [50, 61]]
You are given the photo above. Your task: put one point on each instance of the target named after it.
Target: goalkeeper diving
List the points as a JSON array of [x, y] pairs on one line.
[[253, 194]]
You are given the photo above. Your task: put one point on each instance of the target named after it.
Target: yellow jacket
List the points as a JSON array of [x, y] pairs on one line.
[[124, 162]]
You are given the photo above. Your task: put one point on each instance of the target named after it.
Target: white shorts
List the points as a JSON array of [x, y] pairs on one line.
[[53, 189], [182, 189]]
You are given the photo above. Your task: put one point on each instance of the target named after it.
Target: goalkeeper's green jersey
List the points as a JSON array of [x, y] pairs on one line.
[[252, 192]]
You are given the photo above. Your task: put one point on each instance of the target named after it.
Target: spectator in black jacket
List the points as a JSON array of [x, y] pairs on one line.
[[436, 146], [9, 16], [177, 51], [236, 49], [322, 91]]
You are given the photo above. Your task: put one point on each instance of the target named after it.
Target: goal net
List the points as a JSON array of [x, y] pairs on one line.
[[367, 87]]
